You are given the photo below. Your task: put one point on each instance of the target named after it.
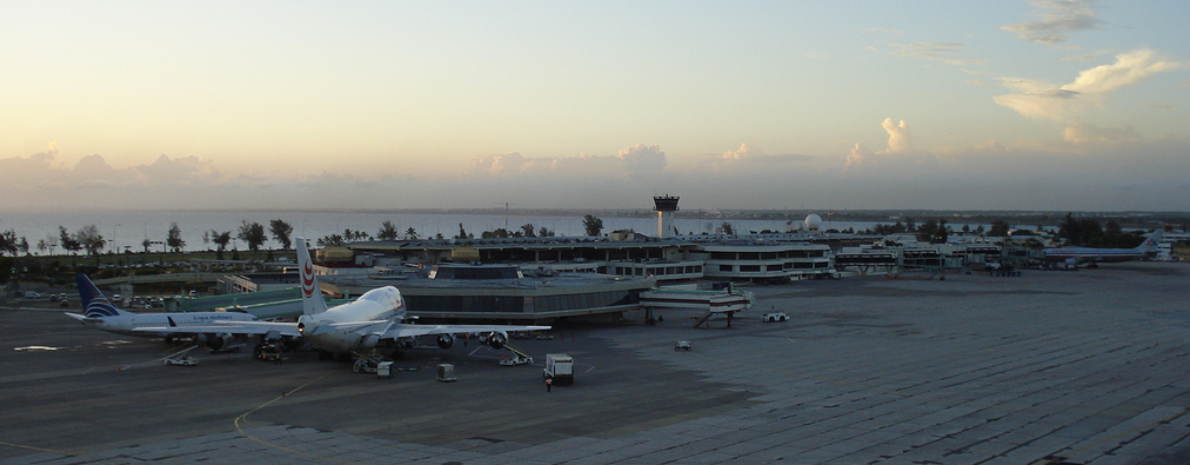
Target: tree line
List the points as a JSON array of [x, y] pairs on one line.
[[1076, 230]]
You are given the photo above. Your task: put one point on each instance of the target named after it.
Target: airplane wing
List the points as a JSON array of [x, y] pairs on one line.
[[400, 331], [242, 328], [76, 316]]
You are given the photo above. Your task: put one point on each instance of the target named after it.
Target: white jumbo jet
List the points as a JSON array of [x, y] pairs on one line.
[[1075, 255], [99, 313], [377, 316]]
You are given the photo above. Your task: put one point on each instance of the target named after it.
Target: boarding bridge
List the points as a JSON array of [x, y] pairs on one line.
[[726, 302]]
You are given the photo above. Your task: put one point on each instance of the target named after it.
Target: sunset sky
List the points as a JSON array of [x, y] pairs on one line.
[[1013, 105]]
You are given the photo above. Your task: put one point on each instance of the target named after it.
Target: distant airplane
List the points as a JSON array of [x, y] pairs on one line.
[[1094, 254], [99, 313], [378, 316]]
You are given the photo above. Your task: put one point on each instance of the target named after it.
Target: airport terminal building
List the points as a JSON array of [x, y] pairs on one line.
[[505, 293]]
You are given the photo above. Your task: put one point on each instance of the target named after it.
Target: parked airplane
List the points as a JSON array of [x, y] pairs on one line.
[[377, 317], [99, 313], [1093, 254]]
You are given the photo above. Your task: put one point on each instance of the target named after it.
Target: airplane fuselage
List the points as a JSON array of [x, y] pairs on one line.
[[1099, 255], [1107, 254], [348, 326], [127, 323]]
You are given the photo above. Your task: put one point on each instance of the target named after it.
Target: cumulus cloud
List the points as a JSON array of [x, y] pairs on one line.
[[1042, 100], [1057, 19], [30, 170], [859, 156], [41, 171], [637, 159], [899, 140], [749, 154], [642, 159], [173, 171], [507, 163]]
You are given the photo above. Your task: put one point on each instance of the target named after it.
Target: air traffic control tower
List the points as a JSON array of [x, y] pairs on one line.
[[665, 205]]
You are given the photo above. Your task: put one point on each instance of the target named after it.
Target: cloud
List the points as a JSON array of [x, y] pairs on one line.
[[642, 159], [1083, 133], [749, 154], [630, 161], [859, 156], [1036, 105], [1084, 172], [1042, 100], [888, 30], [1058, 18], [508, 163], [900, 149], [1083, 57], [172, 171], [938, 51], [1024, 85], [1129, 69], [40, 171], [899, 140]]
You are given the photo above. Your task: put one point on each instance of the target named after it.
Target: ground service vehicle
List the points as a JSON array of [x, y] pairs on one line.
[[559, 369], [384, 369], [774, 317], [185, 361]]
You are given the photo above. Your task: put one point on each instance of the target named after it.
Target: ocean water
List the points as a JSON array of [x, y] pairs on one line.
[[128, 229]]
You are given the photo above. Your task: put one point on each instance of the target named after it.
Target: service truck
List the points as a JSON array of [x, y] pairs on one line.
[[559, 369]]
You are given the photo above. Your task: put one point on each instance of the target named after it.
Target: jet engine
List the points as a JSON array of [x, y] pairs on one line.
[[370, 341], [497, 340], [445, 341], [214, 341]]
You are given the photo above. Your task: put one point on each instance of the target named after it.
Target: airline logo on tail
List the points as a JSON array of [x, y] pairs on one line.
[[309, 285], [95, 305], [311, 295]]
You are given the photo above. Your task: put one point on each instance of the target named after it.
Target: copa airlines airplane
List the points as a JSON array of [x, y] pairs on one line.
[[99, 313], [377, 316], [1093, 254]]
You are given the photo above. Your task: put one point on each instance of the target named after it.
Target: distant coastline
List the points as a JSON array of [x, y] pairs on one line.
[[1016, 217]]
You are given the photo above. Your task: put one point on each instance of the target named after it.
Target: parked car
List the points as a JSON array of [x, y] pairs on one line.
[[186, 361]]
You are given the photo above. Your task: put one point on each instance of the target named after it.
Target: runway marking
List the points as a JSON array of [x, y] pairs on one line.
[[37, 349], [42, 449], [244, 418]]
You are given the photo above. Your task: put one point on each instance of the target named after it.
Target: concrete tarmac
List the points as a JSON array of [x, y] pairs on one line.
[[1086, 367]]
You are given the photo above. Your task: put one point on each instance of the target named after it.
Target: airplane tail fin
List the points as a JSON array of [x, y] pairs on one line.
[[1151, 241], [95, 305], [312, 302]]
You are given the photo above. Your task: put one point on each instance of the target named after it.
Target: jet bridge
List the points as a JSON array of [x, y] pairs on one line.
[[726, 302]]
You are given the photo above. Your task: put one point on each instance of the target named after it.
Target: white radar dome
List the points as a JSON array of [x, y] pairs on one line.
[[813, 222]]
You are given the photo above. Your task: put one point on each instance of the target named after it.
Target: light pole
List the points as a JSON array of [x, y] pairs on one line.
[[115, 247]]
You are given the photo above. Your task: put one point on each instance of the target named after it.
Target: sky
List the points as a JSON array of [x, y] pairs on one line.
[[971, 105]]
